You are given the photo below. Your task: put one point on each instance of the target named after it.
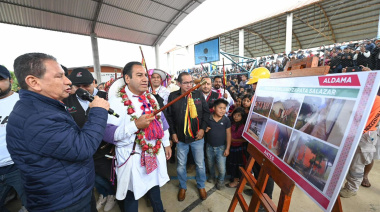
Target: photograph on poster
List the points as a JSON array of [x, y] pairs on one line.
[[325, 118], [311, 158], [263, 105], [285, 110], [276, 138], [257, 126]]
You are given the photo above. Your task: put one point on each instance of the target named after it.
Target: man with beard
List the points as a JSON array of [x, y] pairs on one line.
[[9, 174], [209, 95], [225, 94]]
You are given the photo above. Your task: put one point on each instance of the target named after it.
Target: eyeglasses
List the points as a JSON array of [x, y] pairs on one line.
[[187, 83]]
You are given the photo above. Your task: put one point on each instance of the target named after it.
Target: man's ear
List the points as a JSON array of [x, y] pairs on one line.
[[127, 79], [33, 82]]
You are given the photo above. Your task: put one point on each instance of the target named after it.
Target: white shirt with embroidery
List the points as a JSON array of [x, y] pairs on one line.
[[162, 92], [132, 176]]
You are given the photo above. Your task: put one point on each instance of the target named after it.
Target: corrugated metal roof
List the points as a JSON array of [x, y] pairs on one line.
[[146, 22], [349, 20]]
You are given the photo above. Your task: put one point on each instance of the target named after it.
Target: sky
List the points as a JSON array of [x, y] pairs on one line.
[[211, 18]]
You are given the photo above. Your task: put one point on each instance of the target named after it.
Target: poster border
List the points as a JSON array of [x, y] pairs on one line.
[[325, 200]]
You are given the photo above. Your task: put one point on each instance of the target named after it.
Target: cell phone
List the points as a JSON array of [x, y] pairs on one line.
[[354, 69]]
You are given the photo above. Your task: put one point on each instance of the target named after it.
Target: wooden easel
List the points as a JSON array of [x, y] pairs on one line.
[[268, 168]]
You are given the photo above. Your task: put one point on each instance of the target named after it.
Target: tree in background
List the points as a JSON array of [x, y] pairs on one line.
[[15, 86]]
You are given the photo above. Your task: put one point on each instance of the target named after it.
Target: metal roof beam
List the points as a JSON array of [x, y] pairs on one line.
[[123, 9], [162, 4], [307, 23], [235, 41], [95, 20], [261, 36], [328, 21], [173, 20], [72, 16]]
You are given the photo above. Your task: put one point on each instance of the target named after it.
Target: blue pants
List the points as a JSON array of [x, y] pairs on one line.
[[215, 157], [199, 157], [154, 195], [7, 181], [103, 186]]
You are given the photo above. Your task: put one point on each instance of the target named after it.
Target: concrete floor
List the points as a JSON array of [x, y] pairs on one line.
[[367, 200]]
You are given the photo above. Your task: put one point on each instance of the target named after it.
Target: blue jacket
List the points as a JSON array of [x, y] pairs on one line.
[[52, 152]]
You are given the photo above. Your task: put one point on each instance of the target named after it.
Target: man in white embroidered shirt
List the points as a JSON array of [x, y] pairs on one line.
[[142, 142]]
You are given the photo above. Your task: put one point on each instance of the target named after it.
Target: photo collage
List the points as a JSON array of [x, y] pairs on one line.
[[305, 132]]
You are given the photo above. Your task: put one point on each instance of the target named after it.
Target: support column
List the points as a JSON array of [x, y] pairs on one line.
[[95, 55], [168, 63], [157, 54], [189, 58], [241, 44], [289, 34]]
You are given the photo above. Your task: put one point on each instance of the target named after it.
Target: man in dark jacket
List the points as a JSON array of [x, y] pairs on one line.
[[53, 154], [209, 95], [335, 65], [79, 110], [188, 136], [346, 59], [376, 56]]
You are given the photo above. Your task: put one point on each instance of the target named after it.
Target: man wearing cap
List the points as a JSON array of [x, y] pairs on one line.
[[157, 77], [79, 110], [52, 152], [9, 174]]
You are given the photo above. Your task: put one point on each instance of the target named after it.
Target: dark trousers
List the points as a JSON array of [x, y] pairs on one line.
[[103, 186], [270, 184], [86, 204], [154, 195], [7, 181]]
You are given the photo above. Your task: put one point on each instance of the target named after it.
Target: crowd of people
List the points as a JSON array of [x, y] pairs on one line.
[[62, 139], [57, 143], [352, 54]]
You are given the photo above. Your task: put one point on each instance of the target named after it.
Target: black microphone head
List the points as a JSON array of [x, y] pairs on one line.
[[83, 94]]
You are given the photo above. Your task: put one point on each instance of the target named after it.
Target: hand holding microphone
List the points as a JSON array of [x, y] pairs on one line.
[[95, 101], [99, 102]]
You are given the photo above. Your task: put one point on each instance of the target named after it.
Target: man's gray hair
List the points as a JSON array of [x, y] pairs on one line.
[[30, 64]]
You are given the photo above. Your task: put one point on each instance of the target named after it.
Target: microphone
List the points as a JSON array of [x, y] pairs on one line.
[[85, 95]]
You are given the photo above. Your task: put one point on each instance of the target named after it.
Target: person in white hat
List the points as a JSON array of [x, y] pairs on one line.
[[157, 77]]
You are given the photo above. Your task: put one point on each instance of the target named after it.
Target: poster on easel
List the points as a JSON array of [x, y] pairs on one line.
[[311, 126]]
